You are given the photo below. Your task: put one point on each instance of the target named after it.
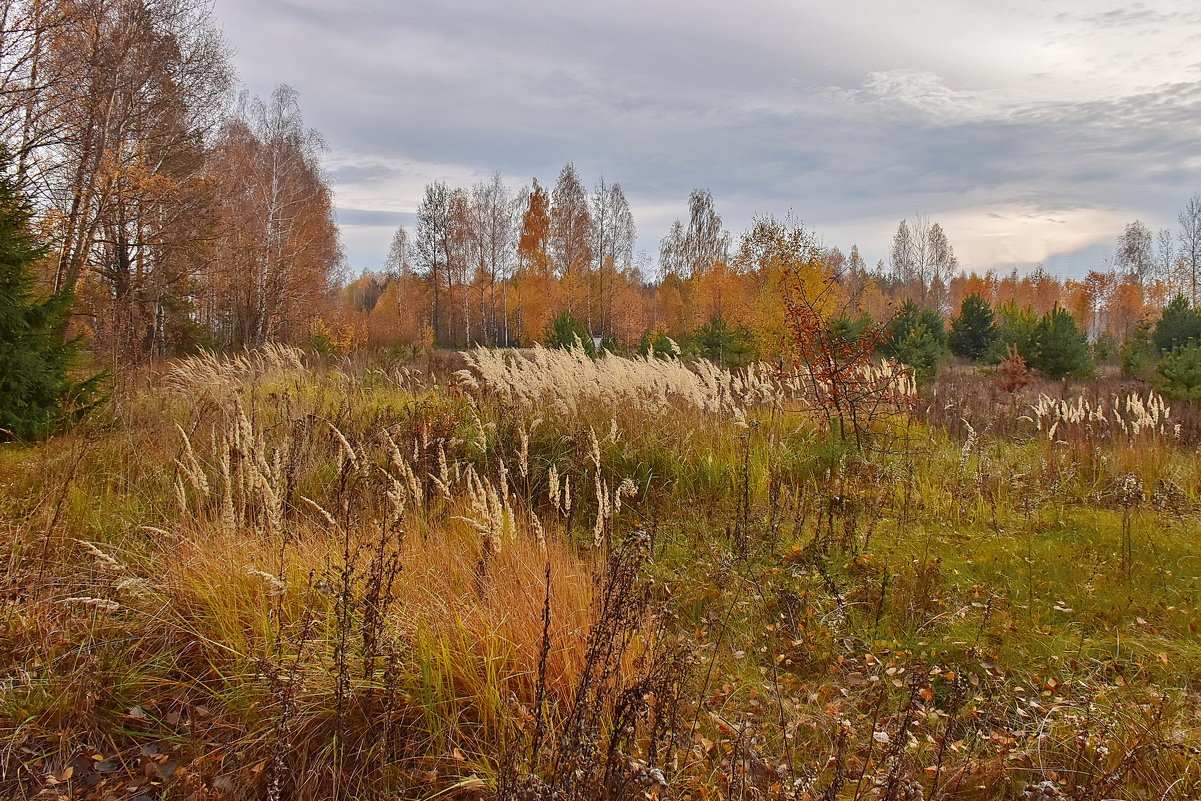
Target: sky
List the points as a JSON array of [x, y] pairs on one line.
[[1032, 131]]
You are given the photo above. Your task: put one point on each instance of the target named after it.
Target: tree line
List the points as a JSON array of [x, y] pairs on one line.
[[485, 265], [182, 214]]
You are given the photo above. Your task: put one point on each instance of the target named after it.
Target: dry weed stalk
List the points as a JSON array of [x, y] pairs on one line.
[[251, 484], [1131, 418]]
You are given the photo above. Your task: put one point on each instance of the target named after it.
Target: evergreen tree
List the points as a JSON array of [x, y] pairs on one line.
[[1139, 353], [974, 330], [907, 321], [1181, 371], [36, 393], [922, 351], [847, 330], [718, 342], [657, 343], [1179, 325], [1060, 347], [566, 332], [1017, 331], [916, 337]]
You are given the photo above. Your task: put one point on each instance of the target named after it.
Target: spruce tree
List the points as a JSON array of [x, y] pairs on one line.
[[974, 330], [36, 392]]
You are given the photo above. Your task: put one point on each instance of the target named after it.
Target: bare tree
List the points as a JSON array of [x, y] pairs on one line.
[[1189, 237], [854, 275], [397, 263], [906, 258], [923, 262], [1165, 261], [706, 242], [673, 252], [612, 246], [942, 267], [1134, 255], [432, 246], [494, 227], [27, 28], [695, 248]]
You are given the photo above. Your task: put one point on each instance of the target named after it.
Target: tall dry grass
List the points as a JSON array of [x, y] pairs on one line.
[[561, 579], [310, 590]]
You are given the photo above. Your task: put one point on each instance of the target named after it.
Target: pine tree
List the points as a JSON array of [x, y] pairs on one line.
[[36, 392], [974, 331], [1017, 332], [907, 321], [1181, 371], [1180, 325], [566, 332], [1061, 349], [922, 351]]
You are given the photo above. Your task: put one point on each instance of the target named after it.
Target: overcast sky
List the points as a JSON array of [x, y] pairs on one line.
[[1032, 131]]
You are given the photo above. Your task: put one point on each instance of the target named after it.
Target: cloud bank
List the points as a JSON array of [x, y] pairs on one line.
[[1032, 133]]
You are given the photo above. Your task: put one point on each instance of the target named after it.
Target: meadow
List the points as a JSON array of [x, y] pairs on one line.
[[534, 575]]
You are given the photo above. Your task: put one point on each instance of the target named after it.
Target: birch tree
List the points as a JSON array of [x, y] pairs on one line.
[[570, 235], [613, 237], [432, 248], [923, 262], [1134, 255], [706, 242], [277, 249], [495, 229], [1189, 238]]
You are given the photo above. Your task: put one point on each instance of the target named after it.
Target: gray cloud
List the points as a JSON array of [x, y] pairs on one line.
[[371, 218], [1049, 121]]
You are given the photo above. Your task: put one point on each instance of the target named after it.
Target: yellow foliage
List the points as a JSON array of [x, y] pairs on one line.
[[789, 266]]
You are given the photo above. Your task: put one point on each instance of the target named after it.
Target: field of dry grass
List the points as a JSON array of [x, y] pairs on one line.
[[536, 576]]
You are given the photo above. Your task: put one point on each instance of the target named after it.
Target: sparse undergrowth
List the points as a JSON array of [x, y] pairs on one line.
[[268, 579]]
